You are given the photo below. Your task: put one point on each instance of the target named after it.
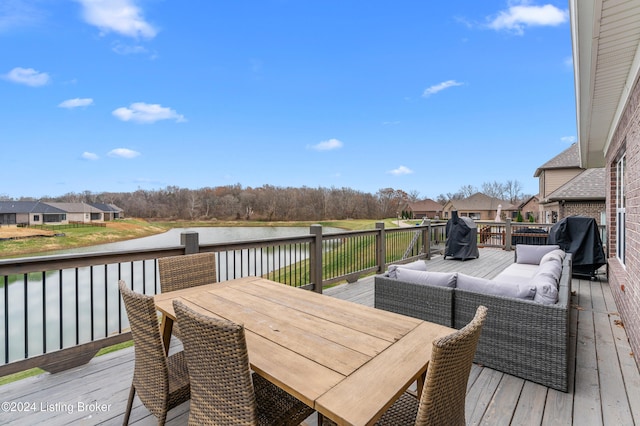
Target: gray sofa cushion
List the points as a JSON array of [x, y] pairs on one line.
[[554, 255], [552, 268], [532, 254], [517, 272], [518, 290], [439, 279]]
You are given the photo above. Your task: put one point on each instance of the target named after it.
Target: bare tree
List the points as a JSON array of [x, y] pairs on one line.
[[513, 190], [494, 189], [467, 191], [414, 196]]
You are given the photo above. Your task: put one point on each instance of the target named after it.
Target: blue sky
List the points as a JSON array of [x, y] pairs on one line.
[[423, 96]]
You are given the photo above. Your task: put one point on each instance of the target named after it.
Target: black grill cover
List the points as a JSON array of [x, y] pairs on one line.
[[579, 236], [462, 238]]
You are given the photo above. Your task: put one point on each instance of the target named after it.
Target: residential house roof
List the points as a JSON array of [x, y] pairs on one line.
[[480, 201], [533, 198], [567, 159], [106, 207], [426, 205], [588, 185], [28, 207], [76, 207]]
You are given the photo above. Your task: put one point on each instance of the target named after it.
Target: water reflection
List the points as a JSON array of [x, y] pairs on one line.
[[207, 235]]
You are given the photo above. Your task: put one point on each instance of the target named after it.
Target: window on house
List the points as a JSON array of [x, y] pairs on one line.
[[621, 206], [36, 218]]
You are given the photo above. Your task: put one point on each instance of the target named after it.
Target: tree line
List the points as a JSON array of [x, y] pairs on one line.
[[268, 203]]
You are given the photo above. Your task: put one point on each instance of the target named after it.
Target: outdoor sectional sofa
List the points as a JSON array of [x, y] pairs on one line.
[[524, 335]]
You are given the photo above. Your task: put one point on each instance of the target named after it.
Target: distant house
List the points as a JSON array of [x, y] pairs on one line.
[[558, 171], [110, 211], [567, 189], [39, 213], [30, 213], [583, 195], [530, 207], [426, 208], [480, 206]]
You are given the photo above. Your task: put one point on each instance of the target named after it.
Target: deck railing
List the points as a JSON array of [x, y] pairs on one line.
[[508, 234], [57, 311]]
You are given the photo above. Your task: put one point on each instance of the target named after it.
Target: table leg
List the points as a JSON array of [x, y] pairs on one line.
[[420, 384]]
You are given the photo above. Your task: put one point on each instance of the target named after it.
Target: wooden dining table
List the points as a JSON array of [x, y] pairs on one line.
[[348, 361]]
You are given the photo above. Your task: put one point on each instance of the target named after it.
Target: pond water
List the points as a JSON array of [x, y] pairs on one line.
[[207, 235]]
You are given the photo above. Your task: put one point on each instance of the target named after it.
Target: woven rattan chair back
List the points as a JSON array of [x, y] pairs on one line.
[[223, 389], [190, 270], [445, 388], [161, 382], [218, 362]]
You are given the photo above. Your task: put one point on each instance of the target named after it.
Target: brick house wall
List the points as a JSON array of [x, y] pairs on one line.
[[624, 280], [590, 209]]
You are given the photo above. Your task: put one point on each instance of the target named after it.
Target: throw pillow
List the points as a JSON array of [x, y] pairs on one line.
[[518, 290], [546, 290], [439, 279], [532, 254], [418, 265]]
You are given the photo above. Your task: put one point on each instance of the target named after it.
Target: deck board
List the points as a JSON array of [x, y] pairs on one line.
[[604, 386]]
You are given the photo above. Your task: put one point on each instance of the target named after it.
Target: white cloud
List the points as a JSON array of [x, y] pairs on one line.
[[402, 170], [521, 15], [27, 76], [121, 16], [439, 87], [89, 156], [124, 49], [141, 112], [327, 145], [123, 153], [76, 102], [568, 139]]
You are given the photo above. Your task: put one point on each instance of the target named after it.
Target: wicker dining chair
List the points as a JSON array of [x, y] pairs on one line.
[[223, 389], [189, 270], [161, 382], [445, 388]]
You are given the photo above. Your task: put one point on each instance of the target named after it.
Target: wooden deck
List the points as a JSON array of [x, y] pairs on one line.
[[604, 388]]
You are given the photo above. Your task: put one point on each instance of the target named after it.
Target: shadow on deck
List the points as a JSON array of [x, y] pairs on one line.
[[604, 378]]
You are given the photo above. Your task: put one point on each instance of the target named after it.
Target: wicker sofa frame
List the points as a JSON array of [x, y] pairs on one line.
[[520, 337]]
